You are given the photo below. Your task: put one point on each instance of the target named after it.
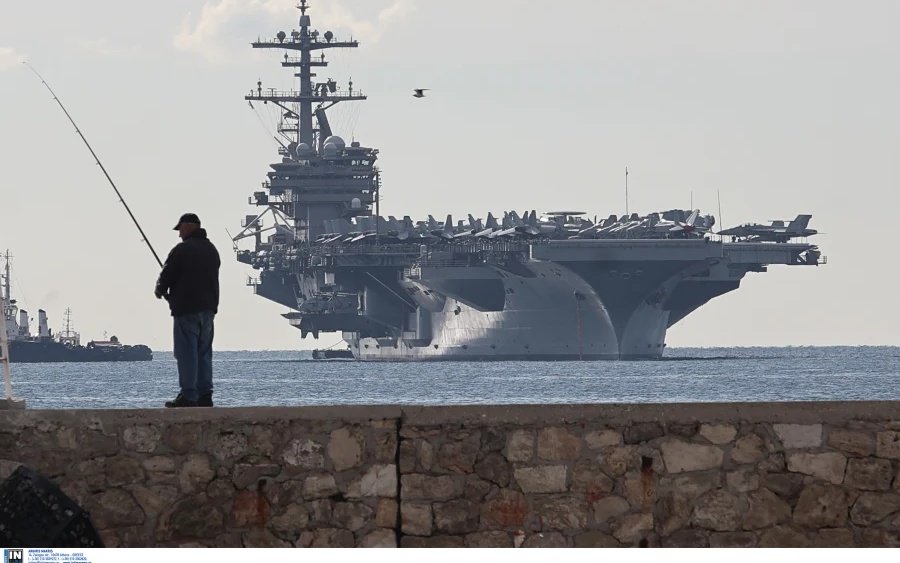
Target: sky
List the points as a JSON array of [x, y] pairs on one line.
[[781, 107]]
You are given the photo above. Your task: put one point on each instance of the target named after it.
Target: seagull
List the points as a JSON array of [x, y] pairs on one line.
[[419, 92]]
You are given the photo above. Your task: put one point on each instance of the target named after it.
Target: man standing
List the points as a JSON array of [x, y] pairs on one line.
[[190, 283]]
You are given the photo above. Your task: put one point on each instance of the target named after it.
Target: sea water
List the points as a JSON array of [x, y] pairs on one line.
[[272, 378]]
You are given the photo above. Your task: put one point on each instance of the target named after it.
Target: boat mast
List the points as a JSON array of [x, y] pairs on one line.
[[326, 94]]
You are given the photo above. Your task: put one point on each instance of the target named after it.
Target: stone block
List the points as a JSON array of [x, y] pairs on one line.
[[250, 508], [407, 456], [854, 442], [289, 524], [640, 489], [561, 513], [588, 477], [549, 539], [122, 470], [159, 464], [416, 519], [228, 447], [320, 511], [351, 515], [327, 537], [193, 518], [732, 539], [476, 488], [245, 475], [743, 480], [615, 461], [344, 449], [458, 457], [304, 454], [320, 485], [632, 528], [417, 542], [798, 436], [595, 539], [386, 513], [691, 485], [608, 508], [115, 508], [828, 466], [489, 539], [495, 469], [603, 438], [386, 447], [141, 438], [822, 506], [642, 432], [541, 479], [887, 444], [717, 510], [718, 434], [195, 473], [379, 538], [505, 509], [520, 446], [872, 508], [783, 536], [154, 499], [221, 489], [748, 449], [869, 474], [424, 455], [456, 517], [833, 537], [378, 481], [418, 486], [260, 537], [558, 444], [785, 485], [765, 509], [183, 438], [686, 538], [682, 456]]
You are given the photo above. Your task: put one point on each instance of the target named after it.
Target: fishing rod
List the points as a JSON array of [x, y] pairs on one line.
[[97, 159]]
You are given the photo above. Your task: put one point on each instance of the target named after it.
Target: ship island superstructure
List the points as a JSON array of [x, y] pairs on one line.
[[558, 285]]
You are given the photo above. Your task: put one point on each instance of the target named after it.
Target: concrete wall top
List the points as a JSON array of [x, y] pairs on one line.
[[772, 412]]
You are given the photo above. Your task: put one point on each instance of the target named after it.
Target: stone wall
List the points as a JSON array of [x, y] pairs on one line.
[[788, 474]]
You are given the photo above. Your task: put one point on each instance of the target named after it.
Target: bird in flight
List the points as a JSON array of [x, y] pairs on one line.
[[419, 92]]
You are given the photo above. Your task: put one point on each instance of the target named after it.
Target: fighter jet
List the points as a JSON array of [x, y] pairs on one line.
[[776, 232]]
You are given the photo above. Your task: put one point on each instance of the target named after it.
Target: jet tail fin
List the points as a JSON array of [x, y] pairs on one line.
[[799, 224]]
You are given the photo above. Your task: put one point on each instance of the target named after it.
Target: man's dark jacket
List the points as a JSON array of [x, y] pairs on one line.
[[191, 276]]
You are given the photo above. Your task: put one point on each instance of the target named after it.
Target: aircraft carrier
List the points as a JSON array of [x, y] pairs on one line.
[[557, 285]]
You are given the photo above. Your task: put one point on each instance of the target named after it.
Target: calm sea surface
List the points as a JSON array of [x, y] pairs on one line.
[[292, 378]]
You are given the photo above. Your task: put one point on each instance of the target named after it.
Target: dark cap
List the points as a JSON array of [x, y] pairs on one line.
[[187, 218]]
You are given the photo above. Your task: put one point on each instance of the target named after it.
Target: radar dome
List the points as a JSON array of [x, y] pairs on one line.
[[336, 141], [303, 149], [330, 149]]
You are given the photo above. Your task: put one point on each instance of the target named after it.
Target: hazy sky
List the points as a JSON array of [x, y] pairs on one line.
[[786, 107]]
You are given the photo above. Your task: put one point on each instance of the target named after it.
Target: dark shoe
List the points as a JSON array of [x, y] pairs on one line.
[[205, 400], [180, 401]]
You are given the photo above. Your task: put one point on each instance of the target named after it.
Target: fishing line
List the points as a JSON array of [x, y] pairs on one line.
[[97, 159]]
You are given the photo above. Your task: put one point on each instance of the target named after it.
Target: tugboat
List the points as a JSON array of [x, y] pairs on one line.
[[64, 347]]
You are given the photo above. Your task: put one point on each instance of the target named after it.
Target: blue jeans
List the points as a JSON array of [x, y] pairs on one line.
[[193, 352]]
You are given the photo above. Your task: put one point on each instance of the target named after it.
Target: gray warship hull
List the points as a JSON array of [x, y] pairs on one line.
[[555, 300]]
